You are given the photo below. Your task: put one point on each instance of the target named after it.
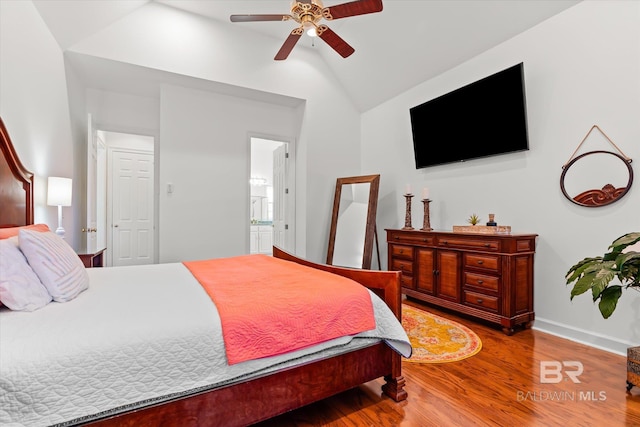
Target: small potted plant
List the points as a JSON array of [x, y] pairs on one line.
[[473, 219]]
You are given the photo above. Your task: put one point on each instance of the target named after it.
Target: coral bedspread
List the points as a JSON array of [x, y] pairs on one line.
[[266, 310]]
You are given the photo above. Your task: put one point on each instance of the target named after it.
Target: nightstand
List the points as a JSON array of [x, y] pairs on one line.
[[92, 259]]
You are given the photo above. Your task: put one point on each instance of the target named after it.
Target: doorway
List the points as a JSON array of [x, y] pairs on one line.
[[121, 196], [272, 199]]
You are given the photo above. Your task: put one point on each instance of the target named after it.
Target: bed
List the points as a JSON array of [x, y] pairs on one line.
[[279, 384]]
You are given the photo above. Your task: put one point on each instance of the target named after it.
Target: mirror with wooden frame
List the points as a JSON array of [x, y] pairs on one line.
[[353, 223], [584, 187]]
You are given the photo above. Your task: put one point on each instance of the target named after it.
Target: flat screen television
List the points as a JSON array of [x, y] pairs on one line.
[[484, 118]]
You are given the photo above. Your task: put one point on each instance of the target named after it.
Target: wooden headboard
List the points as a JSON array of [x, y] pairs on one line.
[[16, 185]]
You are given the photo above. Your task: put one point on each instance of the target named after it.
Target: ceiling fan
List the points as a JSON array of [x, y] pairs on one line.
[[308, 13]]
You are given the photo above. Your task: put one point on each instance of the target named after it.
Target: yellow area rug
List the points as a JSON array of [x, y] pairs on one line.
[[437, 340]]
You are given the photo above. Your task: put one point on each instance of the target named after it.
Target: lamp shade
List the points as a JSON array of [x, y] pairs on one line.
[[59, 191]]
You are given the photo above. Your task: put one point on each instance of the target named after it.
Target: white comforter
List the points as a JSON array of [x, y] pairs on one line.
[[138, 334]]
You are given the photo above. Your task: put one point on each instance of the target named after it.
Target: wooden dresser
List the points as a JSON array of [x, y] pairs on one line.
[[489, 276]]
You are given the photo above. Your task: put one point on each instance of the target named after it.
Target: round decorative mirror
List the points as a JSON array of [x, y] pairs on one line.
[[582, 178]]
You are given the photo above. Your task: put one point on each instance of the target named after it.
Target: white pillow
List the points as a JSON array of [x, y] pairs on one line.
[[57, 265], [20, 288]]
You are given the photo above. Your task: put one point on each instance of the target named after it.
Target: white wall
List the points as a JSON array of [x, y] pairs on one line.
[[328, 138], [34, 105], [582, 68], [122, 112], [205, 155]]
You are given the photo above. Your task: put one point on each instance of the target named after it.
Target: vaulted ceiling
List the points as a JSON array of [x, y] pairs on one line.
[[409, 42]]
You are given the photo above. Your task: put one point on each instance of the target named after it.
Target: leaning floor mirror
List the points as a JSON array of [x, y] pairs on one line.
[[353, 223]]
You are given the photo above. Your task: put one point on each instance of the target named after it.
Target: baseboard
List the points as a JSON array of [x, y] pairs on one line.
[[582, 336]]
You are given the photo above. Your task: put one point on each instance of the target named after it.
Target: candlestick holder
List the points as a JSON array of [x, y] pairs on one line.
[[426, 223], [407, 215]]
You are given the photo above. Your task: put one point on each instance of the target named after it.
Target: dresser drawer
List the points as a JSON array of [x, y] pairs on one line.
[[464, 242], [413, 238], [490, 283], [406, 281], [405, 266], [401, 251], [478, 300], [485, 262]]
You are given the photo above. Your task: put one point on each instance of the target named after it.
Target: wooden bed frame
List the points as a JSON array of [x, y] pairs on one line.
[[253, 400]]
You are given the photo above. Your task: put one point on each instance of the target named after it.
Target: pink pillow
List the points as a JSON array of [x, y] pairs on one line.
[[5, 233]]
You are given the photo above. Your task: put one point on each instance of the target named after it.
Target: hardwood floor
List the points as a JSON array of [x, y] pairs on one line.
[[500, 386]]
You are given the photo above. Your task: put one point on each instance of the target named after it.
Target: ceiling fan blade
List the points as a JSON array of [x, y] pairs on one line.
[[334, 40], [289, 44], [358, 7], [258, 18]]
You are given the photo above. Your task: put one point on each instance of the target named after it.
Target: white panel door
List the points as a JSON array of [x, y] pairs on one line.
[[132, 208], [101, 191], [279, 196], [92, 179], [96, 223]]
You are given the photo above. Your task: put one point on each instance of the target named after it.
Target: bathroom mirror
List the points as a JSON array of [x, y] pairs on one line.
[[353, 223]]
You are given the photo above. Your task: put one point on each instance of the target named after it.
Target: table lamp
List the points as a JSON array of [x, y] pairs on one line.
[[59, 194]]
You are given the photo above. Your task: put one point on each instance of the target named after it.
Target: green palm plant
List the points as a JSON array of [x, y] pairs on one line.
[[473, 219], [597, 274]]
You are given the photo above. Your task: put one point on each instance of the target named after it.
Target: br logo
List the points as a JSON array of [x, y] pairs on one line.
[[553, 371]]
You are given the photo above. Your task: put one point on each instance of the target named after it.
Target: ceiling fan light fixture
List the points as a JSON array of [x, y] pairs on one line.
[[308, 14]]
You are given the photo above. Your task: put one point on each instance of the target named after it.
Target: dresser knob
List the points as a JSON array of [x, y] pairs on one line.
[[480, 282], [480, 262], [486, 245], [479, 300]]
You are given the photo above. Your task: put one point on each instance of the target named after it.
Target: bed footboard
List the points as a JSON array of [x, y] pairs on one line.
[[385, 284]]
